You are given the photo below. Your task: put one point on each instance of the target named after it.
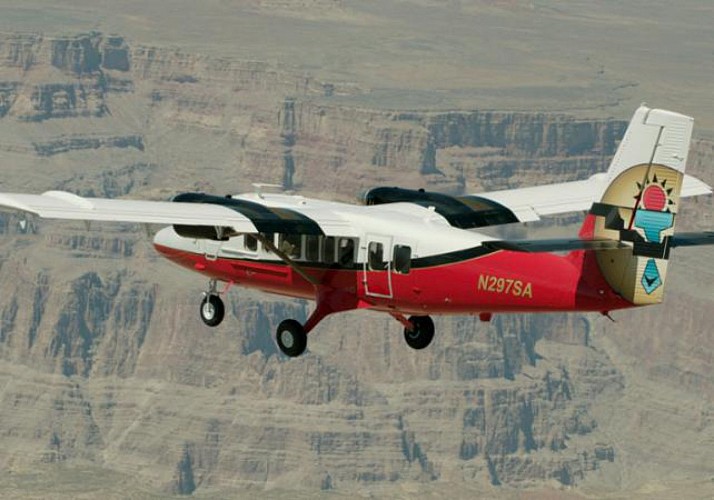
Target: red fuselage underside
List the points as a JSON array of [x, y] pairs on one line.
[[502, 281]]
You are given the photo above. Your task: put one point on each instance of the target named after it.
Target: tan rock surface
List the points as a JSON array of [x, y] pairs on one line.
[[109, 382]]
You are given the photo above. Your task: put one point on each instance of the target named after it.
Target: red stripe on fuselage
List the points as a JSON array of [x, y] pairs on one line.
[[502, 281]]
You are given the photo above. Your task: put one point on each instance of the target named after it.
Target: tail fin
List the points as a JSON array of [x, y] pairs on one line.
[[638, 203]]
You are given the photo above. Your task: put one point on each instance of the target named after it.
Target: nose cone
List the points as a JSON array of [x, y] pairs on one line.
[[166, 240]]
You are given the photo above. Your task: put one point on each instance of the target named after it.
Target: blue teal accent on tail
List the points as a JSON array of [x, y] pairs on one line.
[[653, 223], [651, 279]]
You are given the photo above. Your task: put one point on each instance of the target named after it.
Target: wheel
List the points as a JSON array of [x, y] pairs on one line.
[[422, 334], [212, 310], [291, 338]]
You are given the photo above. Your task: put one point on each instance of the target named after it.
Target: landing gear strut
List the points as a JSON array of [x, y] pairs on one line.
[[291, 336], [212, 308]]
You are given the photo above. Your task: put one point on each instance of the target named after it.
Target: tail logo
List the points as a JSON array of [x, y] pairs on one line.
[[638, 207], [653, 220]]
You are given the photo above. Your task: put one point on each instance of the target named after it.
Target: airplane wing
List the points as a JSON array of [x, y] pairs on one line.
[[188, 213], [530, 203], [513, 205], [63, 205]]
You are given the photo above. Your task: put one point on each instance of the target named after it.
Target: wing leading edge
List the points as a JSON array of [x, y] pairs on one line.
[[188, 212], [63, 205]]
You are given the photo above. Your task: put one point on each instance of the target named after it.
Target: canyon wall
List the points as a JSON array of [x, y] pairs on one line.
[[103, 359]]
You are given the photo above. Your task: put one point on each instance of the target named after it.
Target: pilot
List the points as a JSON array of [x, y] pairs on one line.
[[288, 248]]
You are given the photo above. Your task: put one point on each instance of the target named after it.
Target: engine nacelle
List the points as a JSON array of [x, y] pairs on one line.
[[465, 212]]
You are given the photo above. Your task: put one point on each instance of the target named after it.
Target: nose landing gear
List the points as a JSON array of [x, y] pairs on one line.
[[212, 308]]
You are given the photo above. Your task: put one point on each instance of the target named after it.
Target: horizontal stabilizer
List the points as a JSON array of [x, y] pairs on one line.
[[569, 244], [692, 239], [554, 245]]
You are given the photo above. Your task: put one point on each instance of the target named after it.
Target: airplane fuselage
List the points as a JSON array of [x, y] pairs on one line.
[[430, 268]]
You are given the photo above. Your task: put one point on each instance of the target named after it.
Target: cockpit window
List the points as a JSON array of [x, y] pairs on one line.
[[290, 244], [250, 242], [270, 237], [312, 248], [328, 250]]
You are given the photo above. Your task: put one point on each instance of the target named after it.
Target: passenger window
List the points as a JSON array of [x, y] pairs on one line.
[[312, 248], [376, 256], [250, 242], [289, 244], [328, 250], [346, 251], [402, 259]]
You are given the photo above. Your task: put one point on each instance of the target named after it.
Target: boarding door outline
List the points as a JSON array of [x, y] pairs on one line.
[[378, 271]]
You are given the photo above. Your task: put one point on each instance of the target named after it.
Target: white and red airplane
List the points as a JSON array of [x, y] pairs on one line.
[[413, 254]]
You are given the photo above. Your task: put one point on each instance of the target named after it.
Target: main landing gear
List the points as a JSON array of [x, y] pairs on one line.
[[291, 338], [418, 330], [421, 333], [212, 308], [291, 335]]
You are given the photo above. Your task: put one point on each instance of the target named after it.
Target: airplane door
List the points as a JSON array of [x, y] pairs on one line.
[[377, 269]]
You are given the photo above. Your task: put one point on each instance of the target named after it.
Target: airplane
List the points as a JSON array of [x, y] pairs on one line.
[[413, 253]]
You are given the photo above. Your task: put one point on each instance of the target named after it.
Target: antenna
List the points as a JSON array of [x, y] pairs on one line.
[[260, 185]]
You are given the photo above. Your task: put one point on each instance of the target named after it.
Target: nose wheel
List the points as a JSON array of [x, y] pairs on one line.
[[212, 310], [421, 333]]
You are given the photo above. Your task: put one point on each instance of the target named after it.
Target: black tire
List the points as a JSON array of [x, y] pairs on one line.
[[291, 338], [212, 310], [422, 334]]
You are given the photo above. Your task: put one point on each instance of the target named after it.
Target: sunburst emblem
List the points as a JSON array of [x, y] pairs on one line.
[[655, 195]]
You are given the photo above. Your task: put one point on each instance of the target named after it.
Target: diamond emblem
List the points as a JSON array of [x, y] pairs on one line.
[[651, 279]]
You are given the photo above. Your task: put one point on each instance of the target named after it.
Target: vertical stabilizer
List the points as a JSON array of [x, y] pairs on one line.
[[640, 201]]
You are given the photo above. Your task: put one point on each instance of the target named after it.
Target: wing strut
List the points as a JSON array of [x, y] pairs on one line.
[[285, 258]]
